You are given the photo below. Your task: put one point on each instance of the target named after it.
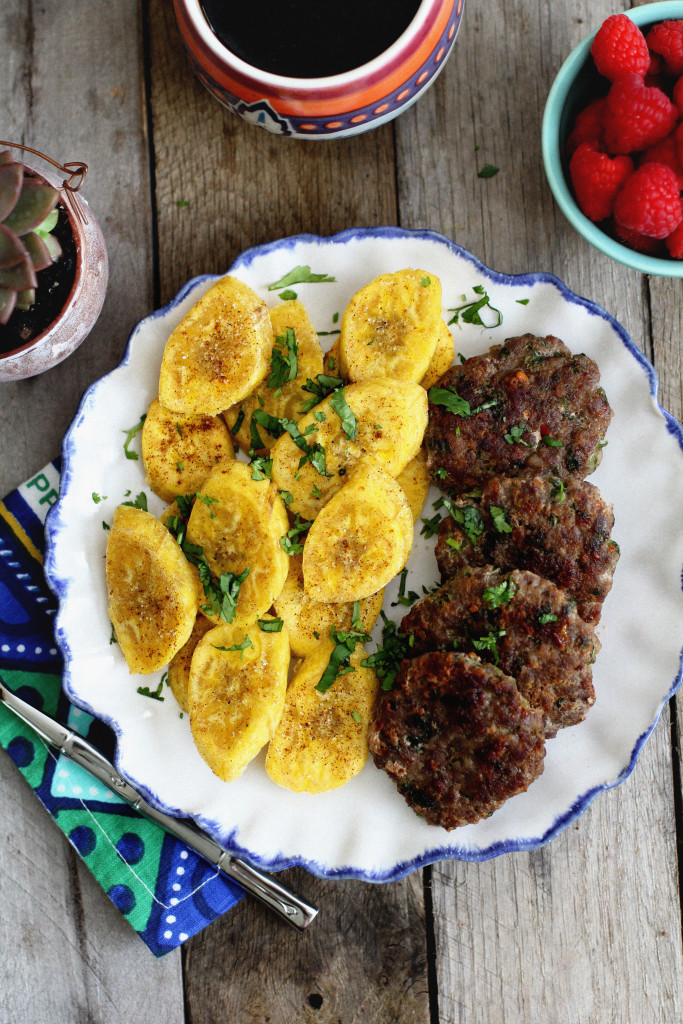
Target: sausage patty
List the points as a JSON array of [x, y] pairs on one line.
[[557, 528], [457, 738], [527, 402], [520, 622]]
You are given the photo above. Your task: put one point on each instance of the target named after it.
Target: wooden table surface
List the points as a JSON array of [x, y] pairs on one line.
[[586, 930]]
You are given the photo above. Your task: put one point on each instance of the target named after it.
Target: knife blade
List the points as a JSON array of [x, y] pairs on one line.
[[291, 908]]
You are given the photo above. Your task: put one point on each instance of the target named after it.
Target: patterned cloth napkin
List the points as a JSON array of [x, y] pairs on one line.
[[163, 889]]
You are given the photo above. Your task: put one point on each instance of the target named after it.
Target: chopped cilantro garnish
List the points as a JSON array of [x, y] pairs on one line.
[[470, 312], [237, 647], [406, 599], [557, 494], [468, 518], [261, 467], [316, 493], [425, 282], [488, 643], [387, 659], [344, 645], [356, 717], [284, 361], [130, 434], [345, 412], [179, 466], [270, 625], [522, 302], [320, 388], [287, 295], [97, 498], [551, 442], [206, 500], [501, 594], [452, 401], [289, 543], [299, 275], [179, 429], [489, 171], [154, 694], [430, 526], [140, 502], [514, 435], [545, 617], [238, 422], [287, 497], [256, 439], [440, 473], [105, 526], [499, 519]]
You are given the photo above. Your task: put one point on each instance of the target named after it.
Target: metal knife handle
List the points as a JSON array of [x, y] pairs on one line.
[[280, 900]]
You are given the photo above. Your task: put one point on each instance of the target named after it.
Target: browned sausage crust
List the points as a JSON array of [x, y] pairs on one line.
[[529, 401], [557, 528], [457, 738], [520, 622]]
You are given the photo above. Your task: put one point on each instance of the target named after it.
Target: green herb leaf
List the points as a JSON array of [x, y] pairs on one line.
[[356, 717], [344, 645], [514, 435], [130, 434], [140, 502], [238, 422], [452, 401], [345, 412], [270, 625], [408, 599], [551, 442], [546, 617], [470, 312], [97, 498], [287, 497], [489, 171], [261, 467], [522, 302], [387, 659], [154, 694], [425, 282], [289, 543], [284, 360], [501, 594], [557, 493], [467, 517], [236, 647], [430, 526], [287, 295], [499, 519], [299, 275], [488, 643], [320, 388]]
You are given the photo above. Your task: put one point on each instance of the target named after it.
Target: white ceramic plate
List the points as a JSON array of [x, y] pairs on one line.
[[365, 829]]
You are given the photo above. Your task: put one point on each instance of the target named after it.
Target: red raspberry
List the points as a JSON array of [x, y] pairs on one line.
[[634, 240], [597, 179], [665, 152], [619, 47], [678, 95], [666, 38], [636, 116], [650, 201], [587, 127], [674, 243]]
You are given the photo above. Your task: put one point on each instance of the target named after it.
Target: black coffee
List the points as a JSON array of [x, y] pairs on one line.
[[308, 38]]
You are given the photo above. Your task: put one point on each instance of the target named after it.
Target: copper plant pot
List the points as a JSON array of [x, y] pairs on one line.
[[82, 308]]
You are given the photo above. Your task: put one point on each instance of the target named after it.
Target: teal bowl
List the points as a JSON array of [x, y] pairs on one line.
[[578, 82]]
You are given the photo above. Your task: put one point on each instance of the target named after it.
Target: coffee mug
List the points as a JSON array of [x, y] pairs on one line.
[[319, 71]]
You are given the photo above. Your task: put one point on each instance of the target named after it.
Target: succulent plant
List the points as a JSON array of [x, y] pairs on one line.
[[27, 216]]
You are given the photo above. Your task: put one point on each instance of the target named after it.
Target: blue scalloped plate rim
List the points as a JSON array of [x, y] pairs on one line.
[[228, 838]]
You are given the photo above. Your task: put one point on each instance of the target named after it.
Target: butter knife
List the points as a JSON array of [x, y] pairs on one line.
[[276, 897]]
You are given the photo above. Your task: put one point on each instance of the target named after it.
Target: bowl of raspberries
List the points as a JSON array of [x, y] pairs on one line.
[[613, 138]]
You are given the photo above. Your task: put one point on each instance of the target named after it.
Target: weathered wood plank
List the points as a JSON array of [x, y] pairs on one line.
[[364, 959], [587, 929], [74, 90], [244, 186]]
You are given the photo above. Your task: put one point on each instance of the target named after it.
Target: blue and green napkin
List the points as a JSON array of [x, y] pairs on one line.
[[163, 889]]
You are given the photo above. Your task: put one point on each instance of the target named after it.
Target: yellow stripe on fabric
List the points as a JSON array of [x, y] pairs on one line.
[[20, 533]]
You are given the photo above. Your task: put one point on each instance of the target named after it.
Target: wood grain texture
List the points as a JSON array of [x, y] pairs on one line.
[[588, 928], [66, 953], [243, 186], [74, 91]]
